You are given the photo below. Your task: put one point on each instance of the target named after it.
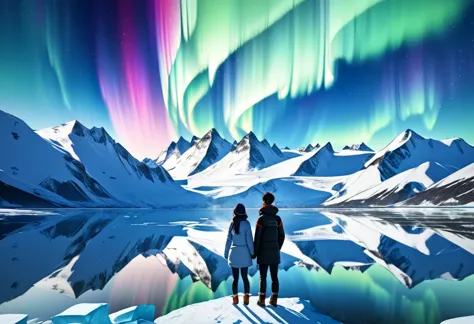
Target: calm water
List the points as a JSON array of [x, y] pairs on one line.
[[358, 266]]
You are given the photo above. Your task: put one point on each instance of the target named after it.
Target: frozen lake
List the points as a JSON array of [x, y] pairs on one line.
[[358, 266]]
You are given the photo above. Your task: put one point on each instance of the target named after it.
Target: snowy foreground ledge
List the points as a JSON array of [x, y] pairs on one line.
[[460, 320], [290, 310]]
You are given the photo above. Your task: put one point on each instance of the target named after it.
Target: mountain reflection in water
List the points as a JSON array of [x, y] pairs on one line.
[[358, 266]]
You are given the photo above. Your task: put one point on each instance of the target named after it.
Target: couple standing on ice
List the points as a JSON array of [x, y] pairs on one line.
[[240, 249]]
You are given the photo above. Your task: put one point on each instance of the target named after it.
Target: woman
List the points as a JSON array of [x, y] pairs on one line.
[[239, 251]]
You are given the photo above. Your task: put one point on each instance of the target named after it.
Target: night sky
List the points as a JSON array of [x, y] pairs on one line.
[[293, 71]]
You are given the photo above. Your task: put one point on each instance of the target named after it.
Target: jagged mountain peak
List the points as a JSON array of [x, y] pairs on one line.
[[328, 147], [250, 140], [251, 136], [171, 153], [213, 132], [410, 134], [248, 155], [409, 149], [307, 148], [73, 126], [81, 147], [245, 141], [182, 145], [358, 147], [210, 135], [204, 152], [72, 123], [194, 139], [265, 142], [325, 162], [456, 141], [234, 145], [181, 140], [277, 150], [100, 135]]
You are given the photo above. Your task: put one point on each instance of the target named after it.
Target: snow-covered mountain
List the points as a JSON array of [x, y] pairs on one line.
[[128, 180], [205, 152], [249, 155], [358, 147], [413, 161], [409, 150], [79, 167], [308, 148], [325, 162], [455, 189], [33, 171], [398, 188], [194, 139], [170, 155]]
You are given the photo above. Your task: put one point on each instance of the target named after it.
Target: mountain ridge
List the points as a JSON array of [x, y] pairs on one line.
[[92, 169]]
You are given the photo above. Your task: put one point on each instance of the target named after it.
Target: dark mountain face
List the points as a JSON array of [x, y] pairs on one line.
[[194, 139], [183, 145], [358, 147], [458, 193], [14, 197], [234, 145], [277, 150], [251, 143], [217, 147]]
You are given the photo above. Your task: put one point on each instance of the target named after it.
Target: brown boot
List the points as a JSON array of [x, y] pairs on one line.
[[235, 299], [246, 299], [273, 299], [261, 300]]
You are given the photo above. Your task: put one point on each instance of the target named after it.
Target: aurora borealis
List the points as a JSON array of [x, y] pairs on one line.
[[293, 71]]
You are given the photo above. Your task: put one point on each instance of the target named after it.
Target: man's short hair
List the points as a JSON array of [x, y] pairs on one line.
[[268, 198]]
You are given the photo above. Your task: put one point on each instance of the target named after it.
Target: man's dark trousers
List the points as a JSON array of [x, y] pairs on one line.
[[263, 277]]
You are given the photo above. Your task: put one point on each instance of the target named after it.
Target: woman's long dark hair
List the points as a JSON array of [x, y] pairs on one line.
[[236, 222], [239, 215]]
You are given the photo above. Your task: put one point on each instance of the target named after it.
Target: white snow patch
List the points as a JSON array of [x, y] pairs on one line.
[[13, 318], [460, 320], [290, 310]]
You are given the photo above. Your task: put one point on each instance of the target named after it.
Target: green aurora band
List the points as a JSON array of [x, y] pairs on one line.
[[290, 48], [292, 71]]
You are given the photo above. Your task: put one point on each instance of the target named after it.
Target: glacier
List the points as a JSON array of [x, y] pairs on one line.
[[79, 167]]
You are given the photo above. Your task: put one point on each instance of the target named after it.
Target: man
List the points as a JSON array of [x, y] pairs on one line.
[[269, 238]]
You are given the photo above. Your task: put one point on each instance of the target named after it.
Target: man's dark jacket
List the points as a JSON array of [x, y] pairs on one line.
[[269, 236]]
